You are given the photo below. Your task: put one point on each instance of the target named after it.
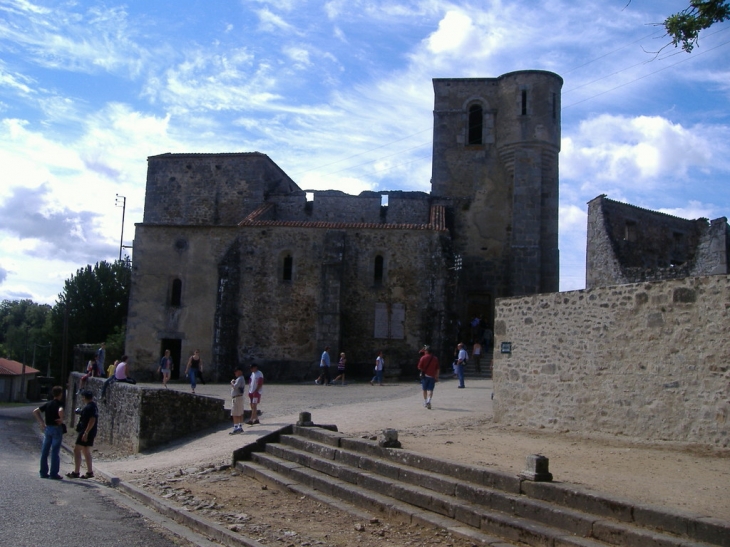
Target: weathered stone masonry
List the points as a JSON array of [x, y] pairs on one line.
[[233, 258], [646, 360]]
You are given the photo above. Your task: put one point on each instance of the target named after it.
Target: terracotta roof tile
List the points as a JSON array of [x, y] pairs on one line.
[[437, 222], [9, 367]]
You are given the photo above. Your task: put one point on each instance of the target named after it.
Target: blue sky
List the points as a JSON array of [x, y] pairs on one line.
[[339, 95]]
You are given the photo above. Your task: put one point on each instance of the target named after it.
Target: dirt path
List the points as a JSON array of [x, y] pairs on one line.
[[459, 428]]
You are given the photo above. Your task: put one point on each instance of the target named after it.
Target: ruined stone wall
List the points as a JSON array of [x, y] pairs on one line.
[[335, 206], [646, 360], [237, 307], [210, 189], [163, 254], [134, 419], [628, 244]]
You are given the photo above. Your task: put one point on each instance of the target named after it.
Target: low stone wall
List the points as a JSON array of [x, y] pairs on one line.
[[646, 360], [134, 418]]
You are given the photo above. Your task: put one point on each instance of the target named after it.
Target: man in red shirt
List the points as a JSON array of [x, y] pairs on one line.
[[428, 366]]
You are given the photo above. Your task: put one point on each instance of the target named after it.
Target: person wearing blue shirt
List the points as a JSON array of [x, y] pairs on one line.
[[324, 369]]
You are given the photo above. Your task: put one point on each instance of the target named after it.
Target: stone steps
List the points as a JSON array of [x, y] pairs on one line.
[[487, 506]]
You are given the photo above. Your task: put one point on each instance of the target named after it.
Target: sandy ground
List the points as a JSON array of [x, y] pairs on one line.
[[460, 428]]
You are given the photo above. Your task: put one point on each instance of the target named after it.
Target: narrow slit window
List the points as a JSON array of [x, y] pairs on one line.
[[476, 122], [524, 102], [378, 271], [555, 106], [287, 270], [176, 293]]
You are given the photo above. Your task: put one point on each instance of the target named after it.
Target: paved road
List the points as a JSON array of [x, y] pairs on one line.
[[36, 512]]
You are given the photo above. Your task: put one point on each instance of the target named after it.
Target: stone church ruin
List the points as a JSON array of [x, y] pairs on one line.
[[235, 259]]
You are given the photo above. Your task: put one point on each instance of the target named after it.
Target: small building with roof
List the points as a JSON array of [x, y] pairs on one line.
[[14, 380]]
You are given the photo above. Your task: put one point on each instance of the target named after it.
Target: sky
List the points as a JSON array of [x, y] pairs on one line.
[[338, 93]]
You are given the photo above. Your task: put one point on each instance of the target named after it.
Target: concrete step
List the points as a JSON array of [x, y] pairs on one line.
[[359, 502], [402, 484], [691, 526]]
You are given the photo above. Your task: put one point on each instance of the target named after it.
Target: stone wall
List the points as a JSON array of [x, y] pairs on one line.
[[236, 307], [629, 244], [647, 360], [134, 419]]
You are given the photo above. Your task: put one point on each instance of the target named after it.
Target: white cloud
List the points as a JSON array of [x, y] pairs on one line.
[[644, 150], [693, 210], [299, 56], [270, 22]]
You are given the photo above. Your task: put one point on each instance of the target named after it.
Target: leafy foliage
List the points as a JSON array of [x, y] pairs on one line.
[[95, 300], [22, 324], [685, 27]]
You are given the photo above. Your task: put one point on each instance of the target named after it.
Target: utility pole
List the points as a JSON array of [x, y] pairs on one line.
[[123, 200]]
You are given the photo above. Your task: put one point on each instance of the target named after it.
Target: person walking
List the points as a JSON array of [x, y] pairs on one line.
[[379, 366], [50, 418], [166, 367], [341, 369], [476, 353], [100, 357], [255, 388], [428, 366], [86, 428], [324, 368], [238, 388], [194, 369], [461, 360]]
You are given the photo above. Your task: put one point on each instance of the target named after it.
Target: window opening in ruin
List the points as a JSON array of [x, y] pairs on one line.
[[630, 231], [176, 293], [378, 271], [310, 196], [288, 266], [555, 106], [389, 321], [384, 200], [476, 121], [524, 102]]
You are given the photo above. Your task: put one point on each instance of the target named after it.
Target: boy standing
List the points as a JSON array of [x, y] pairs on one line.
[[255, 387], [238, 388]]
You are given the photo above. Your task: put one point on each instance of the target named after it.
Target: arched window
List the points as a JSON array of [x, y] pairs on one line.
[[287, 268], [176, 293], [378, 271], [476, 121]]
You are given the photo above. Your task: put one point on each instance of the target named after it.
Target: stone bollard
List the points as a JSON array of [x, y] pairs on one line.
[[389, 439], [305, 419], [537, 469]]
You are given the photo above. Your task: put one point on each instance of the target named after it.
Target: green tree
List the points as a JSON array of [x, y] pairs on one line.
[[94, 301], [22, 324], [685, 27]]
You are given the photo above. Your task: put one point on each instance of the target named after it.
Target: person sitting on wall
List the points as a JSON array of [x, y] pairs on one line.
[[120, 375], [91, 370]]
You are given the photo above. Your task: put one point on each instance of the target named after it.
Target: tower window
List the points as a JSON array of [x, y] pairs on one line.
[[378, 271], [176, 293], [476, 120], [287, 270], [555, 106], [524, 102], [630, 231]]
